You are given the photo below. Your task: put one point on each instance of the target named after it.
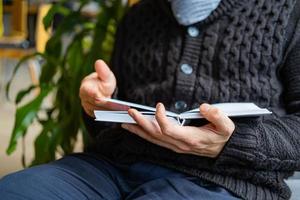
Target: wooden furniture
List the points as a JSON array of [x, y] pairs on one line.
[[1, 18], [13, 46], [19, 14], [131, 2]]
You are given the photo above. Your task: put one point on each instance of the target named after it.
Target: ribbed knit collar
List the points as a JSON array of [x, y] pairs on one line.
[[224, 7], [192, 11]]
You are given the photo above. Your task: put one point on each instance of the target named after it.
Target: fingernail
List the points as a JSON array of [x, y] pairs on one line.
[[205, 107], [131, 112], [160, 106], [124, 126]]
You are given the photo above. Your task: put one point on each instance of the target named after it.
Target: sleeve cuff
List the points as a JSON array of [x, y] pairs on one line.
[[241, 149]]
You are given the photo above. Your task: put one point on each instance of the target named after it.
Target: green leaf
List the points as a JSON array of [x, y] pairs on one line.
[[43, 152], [55, 9], [24, 117], [19, 64], [23, 93], [64, 66]]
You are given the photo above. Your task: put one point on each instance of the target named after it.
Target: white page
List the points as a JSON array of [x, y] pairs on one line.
[[139, 106], [108, 116], [235, 114], [232, 107], [104, 112]]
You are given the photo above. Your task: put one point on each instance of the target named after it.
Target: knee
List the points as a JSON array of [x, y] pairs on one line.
[[26, 180], [11, 184], [12, 181]]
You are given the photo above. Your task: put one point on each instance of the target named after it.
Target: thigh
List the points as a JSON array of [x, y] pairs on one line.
[[178, 188], [73, 177]]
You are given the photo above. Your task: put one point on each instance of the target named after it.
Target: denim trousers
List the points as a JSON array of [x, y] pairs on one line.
[[85, 176]]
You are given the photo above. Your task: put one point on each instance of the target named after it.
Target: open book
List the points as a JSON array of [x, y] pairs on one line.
[[122, 116]]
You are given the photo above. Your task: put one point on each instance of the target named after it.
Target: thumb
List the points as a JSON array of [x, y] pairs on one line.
[[106, 77], [103, 71]]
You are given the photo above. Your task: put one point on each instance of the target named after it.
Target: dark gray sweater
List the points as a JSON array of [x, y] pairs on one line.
[[245, 51]]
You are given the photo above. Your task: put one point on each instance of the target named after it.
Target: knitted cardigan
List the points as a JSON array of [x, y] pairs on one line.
[[246, 51]]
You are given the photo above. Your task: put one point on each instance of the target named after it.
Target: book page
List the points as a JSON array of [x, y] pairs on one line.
[[137, 106], [230, 109], [124, 117]]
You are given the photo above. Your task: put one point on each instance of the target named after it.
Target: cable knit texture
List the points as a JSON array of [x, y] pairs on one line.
[[247, 51]]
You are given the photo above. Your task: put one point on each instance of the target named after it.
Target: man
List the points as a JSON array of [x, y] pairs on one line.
[[186, 54]]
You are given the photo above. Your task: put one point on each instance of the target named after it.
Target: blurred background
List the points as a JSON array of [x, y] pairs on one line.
[[18, 29], [46, 48]]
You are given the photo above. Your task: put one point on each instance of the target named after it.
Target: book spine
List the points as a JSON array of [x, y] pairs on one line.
[[180, 120]]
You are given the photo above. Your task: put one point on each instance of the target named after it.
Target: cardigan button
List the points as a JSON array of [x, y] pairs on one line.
[[180, 105], [193, 31], [186, 68]]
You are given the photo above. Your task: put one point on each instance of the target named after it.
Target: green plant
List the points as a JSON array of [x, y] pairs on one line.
[[63, 68]]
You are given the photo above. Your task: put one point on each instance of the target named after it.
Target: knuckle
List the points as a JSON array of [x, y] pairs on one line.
[[216, 113], [85, 80], [177, 150], [160, 114], [203, 147], [167, 130], [157, 135], [230, 128], [232, 125], [85, 107], [132, 129], [194, 143], [184, 148], [84, 88], [211, 155], [81, 90]]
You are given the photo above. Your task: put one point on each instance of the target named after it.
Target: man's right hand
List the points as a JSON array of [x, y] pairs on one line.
[[99, 84]]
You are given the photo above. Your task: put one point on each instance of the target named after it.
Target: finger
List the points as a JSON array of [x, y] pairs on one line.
[[218, 118], [89, 87], [170, 129], [88, 111], [145, 123], [106, 77], [92, 106], [207, 152], [143, 134], [90, 93], [161, 118], [110, 105], [103, 71], [101, 103], [153, 129]]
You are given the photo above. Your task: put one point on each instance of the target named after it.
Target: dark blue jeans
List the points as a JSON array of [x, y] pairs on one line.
[[83, 176]]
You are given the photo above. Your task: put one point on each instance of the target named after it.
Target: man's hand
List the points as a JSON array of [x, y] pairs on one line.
[[99, 84], [207, 140]]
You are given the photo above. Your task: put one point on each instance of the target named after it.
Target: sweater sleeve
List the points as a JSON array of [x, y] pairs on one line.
[[273, 143]]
